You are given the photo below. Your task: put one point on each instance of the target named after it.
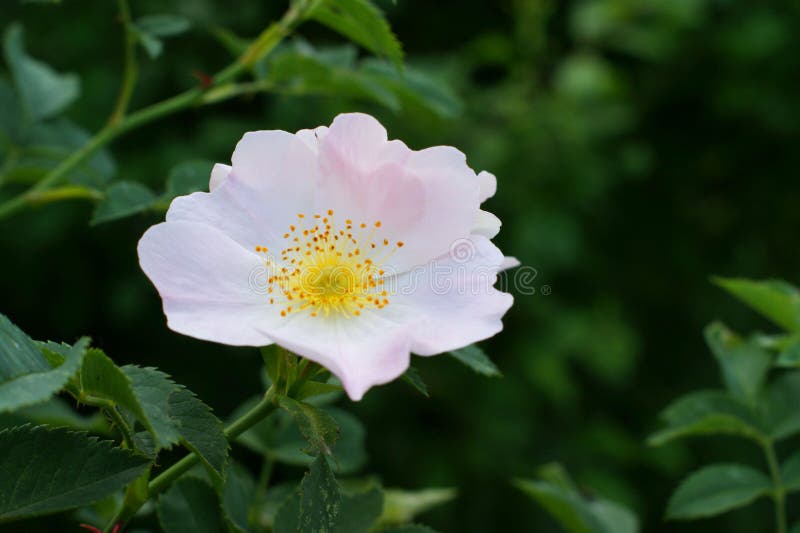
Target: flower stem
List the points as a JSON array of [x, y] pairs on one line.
[[262, 46], [778, 490], [130, 70], [161, 482], [110, 409]]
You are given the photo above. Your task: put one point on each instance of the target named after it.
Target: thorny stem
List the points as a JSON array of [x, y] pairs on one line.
[[262, 45]]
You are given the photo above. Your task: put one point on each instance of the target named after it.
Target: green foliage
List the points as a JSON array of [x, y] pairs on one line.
[[317, 427], [477, 360], [151, 28], [360, 21], [187, 177], [402, 506], [49, 470], [238, 497], [716, 489], [413, 378], [320, 498], [30, 373], [122, 199], [190, 506], [776, 300], [744, 364], [576, 513], [358, 512], [43, 92]]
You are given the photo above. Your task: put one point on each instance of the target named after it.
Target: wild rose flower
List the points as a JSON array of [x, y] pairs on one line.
[[337, 244]]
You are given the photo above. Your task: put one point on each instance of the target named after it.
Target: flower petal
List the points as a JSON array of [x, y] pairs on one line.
[[454, 298], [219, 173], [487, 224], [273, 178], [208, 283], [488, 185], [362, 352]]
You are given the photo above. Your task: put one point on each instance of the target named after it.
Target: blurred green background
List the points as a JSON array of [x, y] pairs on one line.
[[639, 146]]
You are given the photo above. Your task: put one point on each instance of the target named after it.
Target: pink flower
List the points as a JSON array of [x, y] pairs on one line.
[[337, 244]]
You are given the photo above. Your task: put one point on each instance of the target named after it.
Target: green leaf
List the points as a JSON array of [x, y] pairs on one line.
[[123, 198], [360, 511], [238, 497], [790, 473], [400, 506], [188, 177], [43, 92], [706, 413], [360, 21], [414, 87], [476, 359], [56, 412], [781, 409], [151, 44], [163, 25], [789, 357], [28, 375], [744, 364], [175, 413], [774, 299], [413, 378], [320, 498], [201, 431], [50, 470], [287, 519], [279, 439], [716, 489], [318, 427], [190, 506]]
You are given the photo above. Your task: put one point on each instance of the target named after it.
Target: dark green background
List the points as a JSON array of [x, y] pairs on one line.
[[639, 146]]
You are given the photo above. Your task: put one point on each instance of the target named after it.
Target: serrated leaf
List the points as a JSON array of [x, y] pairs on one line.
[[413, 378], [123, 198], [56, 412], [476, 359], [790, 473], [318, 427], [188, 177], [706, 413], [360, 511], [202, 432], [44, 92], [744, 364], [175, 413], [50, 470], [776, 300], [400, 506], [781, 405], [279, 439], [320, 498], [716, 489], [163, 25], [360, 21], [190, 506], [27, 376]]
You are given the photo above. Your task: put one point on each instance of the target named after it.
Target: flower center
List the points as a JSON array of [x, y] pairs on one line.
[[329, 268]]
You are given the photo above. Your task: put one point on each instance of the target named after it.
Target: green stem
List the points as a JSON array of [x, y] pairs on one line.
[[110, 409], [161, 482], [130, 70], [778, 490], [263, 45]]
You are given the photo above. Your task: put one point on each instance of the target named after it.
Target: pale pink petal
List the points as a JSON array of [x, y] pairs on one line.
[[362, 352], [488, 185], [509, 262], [273, 178], [209, 284], [424, 200], [454, 298], [487, 224], [219, 173]]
